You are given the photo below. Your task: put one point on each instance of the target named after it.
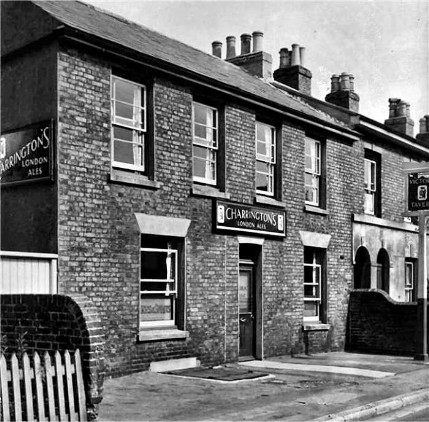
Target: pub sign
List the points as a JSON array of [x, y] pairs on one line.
[[26, 155], [418, 191], [245, 218]]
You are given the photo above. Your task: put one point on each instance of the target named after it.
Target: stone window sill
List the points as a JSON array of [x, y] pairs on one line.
[[315, 210], [209, 191], [315, 326], [261, 199], [162, 334], [120, 176]]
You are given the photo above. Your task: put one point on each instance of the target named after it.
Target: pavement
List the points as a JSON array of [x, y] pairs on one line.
[[335, 386]]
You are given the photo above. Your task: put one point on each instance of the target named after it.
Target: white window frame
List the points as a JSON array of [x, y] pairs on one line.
[[138, 128], [317, 298], [370, 180], [315, 171], [268, 159], [211, 146], [409, 287], [168, 291]]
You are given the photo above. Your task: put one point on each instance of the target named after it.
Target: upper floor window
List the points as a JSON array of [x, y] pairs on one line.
[[205, 143], [128, 105], [370, 185], [313, 171], [265, 158], [372, 164]]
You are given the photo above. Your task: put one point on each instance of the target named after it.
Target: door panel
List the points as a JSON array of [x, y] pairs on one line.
[[246, 298]]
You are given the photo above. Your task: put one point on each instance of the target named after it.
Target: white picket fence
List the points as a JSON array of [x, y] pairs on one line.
[[35, 390], [28, 273]]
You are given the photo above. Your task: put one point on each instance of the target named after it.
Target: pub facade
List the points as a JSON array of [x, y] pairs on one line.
[[206, 212]]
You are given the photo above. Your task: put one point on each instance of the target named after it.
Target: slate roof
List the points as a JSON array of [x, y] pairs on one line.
[[96, 22]]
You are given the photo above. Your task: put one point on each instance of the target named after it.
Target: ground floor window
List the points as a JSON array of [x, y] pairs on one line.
[[313, 284], [410, 279], [159, 281]]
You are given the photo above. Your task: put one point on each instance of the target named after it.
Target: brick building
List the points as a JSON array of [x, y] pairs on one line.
[[206, 212]]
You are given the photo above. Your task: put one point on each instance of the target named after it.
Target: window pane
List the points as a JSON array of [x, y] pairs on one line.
[[308, 255], [200, 131], [262, 182], [200, 114], [124, 91], [123, 134], [123, 152], [369, 202], [262, 167], [154, 265], [199, 168], [156, 308], [124, 111], [311, 309]]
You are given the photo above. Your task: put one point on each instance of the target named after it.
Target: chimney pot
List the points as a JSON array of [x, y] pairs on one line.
[[302, 55], [230, 47], [352, 82], [345, 81], [402, 108], [217, 48], [295, 55], [284, 58], [335, 83], [245, 43], [257, 41]]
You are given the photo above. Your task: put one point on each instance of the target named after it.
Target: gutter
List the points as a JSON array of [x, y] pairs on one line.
[[374, 129]]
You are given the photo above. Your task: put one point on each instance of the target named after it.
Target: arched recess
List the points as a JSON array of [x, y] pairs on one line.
[[362, 269], [383, 270]]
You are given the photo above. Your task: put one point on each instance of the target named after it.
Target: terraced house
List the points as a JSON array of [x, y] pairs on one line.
[[207, 207]]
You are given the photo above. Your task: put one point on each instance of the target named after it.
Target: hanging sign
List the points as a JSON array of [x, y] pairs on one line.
[[246, 218], [26, 155], [418, 191]]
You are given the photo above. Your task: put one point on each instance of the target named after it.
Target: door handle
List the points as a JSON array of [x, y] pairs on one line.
[[243, 320]]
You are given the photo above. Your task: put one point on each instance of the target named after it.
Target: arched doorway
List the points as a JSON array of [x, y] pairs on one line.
[[362, 269], [383, 270]]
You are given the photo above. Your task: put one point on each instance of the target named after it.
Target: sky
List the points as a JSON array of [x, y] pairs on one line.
[[384, 44]]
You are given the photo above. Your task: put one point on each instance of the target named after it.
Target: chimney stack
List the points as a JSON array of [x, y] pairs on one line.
[[292, 71], [230, 47], [423, 136], [217, 49], [399, 117], [343, 92], [257, 62]]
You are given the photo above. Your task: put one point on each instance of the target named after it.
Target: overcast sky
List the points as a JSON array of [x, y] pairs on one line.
[[383, 43]]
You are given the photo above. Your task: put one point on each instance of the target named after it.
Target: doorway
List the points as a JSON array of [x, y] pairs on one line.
[[247, 309]]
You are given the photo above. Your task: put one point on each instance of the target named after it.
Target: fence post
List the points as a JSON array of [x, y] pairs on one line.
[[16, 388], [27, 385], [3, 389], [39, 387]]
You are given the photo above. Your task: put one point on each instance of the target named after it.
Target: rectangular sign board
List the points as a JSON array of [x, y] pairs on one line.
[[26, 155], [418, 191], [247, 218]]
